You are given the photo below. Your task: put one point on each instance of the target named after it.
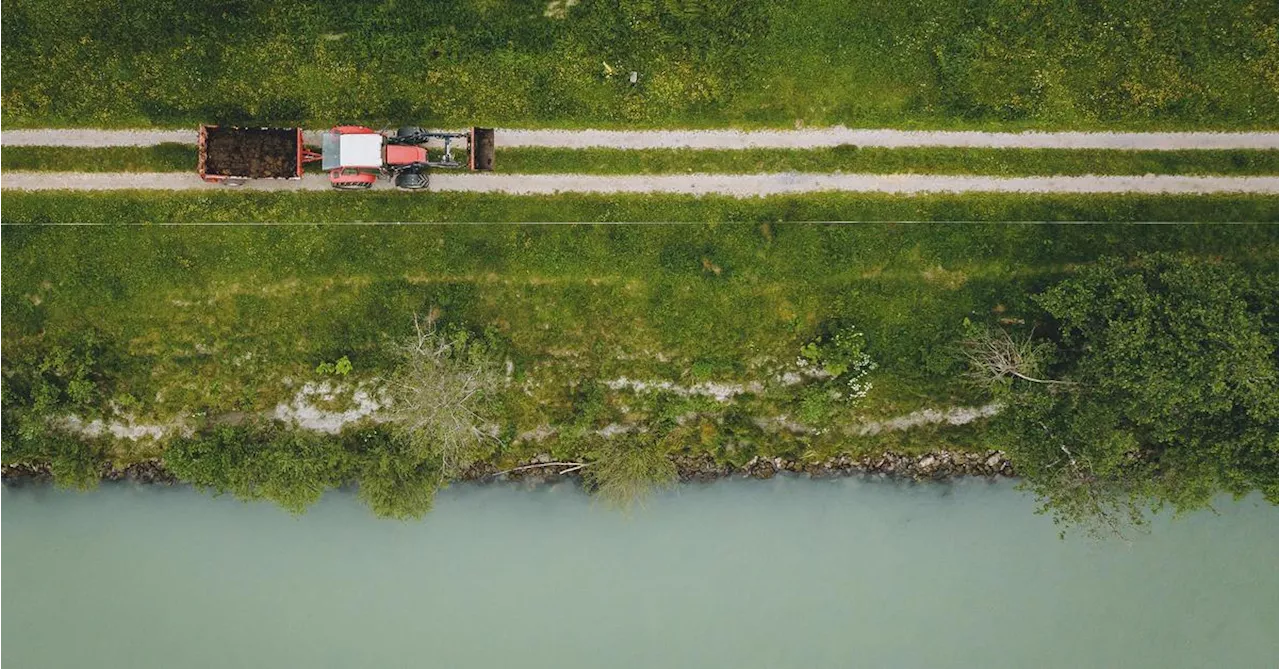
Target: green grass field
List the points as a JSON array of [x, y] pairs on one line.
[[201, 320], [1137, 64], [1003, 162], [156, 207]]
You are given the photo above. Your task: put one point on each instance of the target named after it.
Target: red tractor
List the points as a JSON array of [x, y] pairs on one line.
[[354, 156]]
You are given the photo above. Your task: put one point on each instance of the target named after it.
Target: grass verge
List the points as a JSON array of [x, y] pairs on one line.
[[192, 323], [216, 317], [155, 207], [532, 160]]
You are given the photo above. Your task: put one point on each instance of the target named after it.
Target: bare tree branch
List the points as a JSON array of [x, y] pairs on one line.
[[994, 357], [573, 467]]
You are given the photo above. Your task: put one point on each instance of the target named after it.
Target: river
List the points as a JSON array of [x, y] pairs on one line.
[[782, 573]]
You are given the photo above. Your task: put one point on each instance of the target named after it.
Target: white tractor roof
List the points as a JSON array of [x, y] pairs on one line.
[[360, 150]]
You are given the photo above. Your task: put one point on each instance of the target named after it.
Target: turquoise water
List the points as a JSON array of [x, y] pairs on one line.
[[783, 573]]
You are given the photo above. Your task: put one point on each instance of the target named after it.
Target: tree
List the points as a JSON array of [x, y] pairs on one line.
[[394, 484], [442, 395], [1171, 396]]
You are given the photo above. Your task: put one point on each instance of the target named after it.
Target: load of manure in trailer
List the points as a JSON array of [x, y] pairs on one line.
[[257, 153]]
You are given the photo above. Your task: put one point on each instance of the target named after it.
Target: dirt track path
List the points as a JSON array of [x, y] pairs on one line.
[[732, 139], [737, 185]]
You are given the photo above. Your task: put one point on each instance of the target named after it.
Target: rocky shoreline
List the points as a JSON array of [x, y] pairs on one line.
[[933, 466], [147, 471]]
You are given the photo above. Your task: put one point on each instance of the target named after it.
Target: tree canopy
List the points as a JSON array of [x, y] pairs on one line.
[[1166, 393]]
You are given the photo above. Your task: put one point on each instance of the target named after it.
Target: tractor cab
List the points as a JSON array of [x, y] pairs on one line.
[[354, 156]]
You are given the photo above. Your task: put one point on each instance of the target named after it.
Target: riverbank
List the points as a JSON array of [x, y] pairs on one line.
[[933, 466]]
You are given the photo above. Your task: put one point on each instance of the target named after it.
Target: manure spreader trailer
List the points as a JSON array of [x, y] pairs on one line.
[[353, 156]]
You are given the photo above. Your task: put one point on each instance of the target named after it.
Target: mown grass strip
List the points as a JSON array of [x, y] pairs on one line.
[[532, 160], [160, 158], [998, 162], [154, 207]]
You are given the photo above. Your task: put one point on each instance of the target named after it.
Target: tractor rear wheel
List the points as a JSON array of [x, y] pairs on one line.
[[411, 180], [408, 134]]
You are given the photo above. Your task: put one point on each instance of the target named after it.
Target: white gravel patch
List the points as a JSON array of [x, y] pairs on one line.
[[614, 429], [737, 185], [954, 416], [732, 139], [301, 412], [721, 392], [122, 429]]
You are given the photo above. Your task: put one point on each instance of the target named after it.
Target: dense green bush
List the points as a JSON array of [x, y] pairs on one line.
[[393, 481], [294, 468], [262, 461], [47, 381]]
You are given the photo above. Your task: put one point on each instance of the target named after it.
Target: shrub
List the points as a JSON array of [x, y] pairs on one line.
[[842, 357], [262, 461], [341, 367], [995, 359], [399, 489], [626, 470], [44, 384]]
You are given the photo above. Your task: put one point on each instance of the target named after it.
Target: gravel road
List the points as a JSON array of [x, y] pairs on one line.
[[737, 185], [732, 139]]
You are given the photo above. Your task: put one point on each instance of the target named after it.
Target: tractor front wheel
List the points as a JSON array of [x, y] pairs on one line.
[[411, 180], [409, 131], [359, 185]]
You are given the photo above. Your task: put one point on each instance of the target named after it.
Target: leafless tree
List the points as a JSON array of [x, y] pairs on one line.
[[440, 395], [995, 358]]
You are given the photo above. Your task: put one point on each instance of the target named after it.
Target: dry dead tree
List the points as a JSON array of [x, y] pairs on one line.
[[441, 393], [995, 358]]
